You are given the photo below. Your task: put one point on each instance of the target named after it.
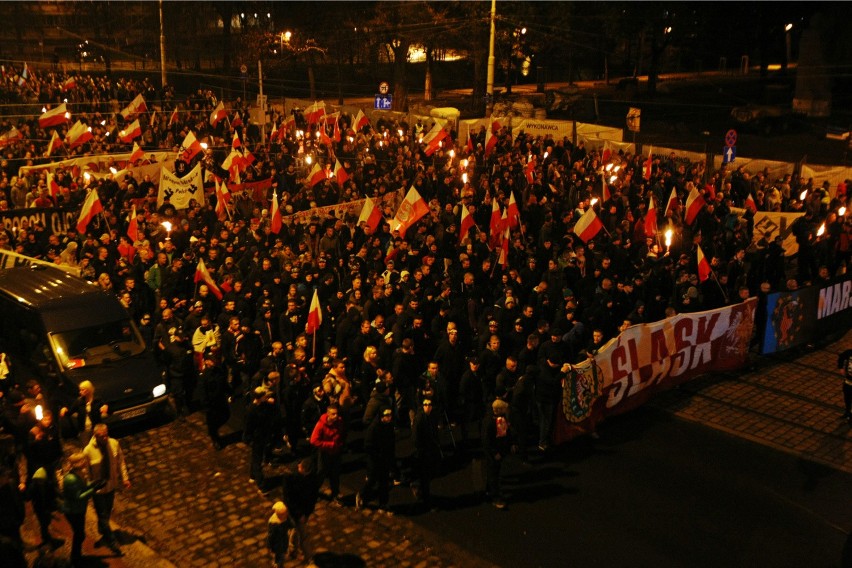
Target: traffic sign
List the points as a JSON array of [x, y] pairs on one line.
[[729, 154], [731, 138], [243, 71], [384, 102], [384, 87]]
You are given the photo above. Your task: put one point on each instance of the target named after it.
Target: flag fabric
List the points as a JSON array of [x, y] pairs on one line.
[[490, 142], [370, 214], [671, 204], [136, 106], [137, 153], [750, 204], [335, 135], [433, 139], [273, 136], [466, 224], [323, 137], [703, 266], [315, 112], [24, 76], [130, 132], [12, 135], [275, 221], [316, 175], [340, 173], [588, 225], [223, 197], [513, 213], [360, 121], [234, 163], [133, 227], [412, 208], [330, 119], [52, 186], [238, 120], [529, 170], [55, 142], [495, 226], [190, 147], [314, 316], [69, 83], [503, 259], [606, 154], [289, 125], [651, 218], [202, 275], [91, 207], [54, 117], [173, 117], [248, 158], [605, 193], [469, 145], [78, 135], [235, 141], [218, 114], [646, 170], [694, 205]]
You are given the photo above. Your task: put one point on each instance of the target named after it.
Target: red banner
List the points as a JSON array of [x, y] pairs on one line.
[[649, 358]]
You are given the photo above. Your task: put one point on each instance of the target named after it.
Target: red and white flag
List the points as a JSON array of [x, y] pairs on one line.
[[588, 225], [275, 220], [433, 139], [238, 120], [69, 83], [78, 135], [704, 269], [91, 207], [55, 142], [529, 170], [335, 134], [495, 226], [671, 204], [235, 142], [52, 186], [137, 153], [503, 259], [202, 275], [189, 148], [24, 76], [466, 224], [273, 136], [223, 197], [324, 139], [694, 205], [173, 117], [314, 316], [233, 163], [606, 153], [136, 106], [133, 227], [370, 214], [132, 131], [513, 213], [412, 208], [340, 173], [54, 117], [218, 114], [651, 217], [289, 125], [12, 135], [316, 175], [605, 193], [646, 169], [154, 119], [315, 112], [360, 121], [750, 204], [490, 142], [330, 119]]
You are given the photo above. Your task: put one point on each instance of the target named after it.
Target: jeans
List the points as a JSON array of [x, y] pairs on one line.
[[103, 508]]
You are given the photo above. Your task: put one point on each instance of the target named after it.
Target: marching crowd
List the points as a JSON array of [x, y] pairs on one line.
[[446, 327]]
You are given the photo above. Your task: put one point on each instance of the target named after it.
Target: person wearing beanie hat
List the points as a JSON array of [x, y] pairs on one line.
[[496, 445], [278, 533]]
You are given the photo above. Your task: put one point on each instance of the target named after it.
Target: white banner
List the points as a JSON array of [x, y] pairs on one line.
[[834, 175], [181, 190], [101, 163], [768, 225], [556, 129]]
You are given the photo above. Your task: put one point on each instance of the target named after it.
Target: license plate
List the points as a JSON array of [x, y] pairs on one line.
[[128, 414]]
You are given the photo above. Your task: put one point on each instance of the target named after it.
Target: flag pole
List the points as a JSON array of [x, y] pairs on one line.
[[719, 284]]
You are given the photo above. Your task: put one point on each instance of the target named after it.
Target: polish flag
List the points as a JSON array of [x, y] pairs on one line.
[[466, 223], [315, 112], [704, 270], [490, 142], [52, 186], [412, 208], [238, 120], [606, 154], [433, 139], [218, 114], [69, 83], [234, 161], [335, 135], [133, 131], [275, 221], [289, 125], [529, 170], [153, 118], [671, 204], [137, 153], [605, 194], [317, 175], [495, 227], [340, 173], [202, 275], [323, 137], [91, 207], [651, 217], [370, 214], [750, 204], [190, 147], [13, 135], [235, 142], [55, 142], [514, 214], [223, 197], [330, 119], [54, 117], [314, 316], [694, 205], [136, 106], [470, 148], [503, 259], [24, 76], [274, 134], [78, 135], [646, 173], [133, 227], [588, 225], [360, 121], [173, 117]]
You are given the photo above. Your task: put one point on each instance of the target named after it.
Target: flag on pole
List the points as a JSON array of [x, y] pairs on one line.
[[136, 106], [91, 207], [218, 114], [370, 214], [412, 208], [153, 118], [69, 83], [173, 117], [646, 173], [466, 224], [137, 153], [495, 226], [694, 205], [606, 154], [202, 275], [672, 203], [189, 148], [275, 221], [529, 170], [514, 214], [273, 136], [223, 197], [335, 135], [52, 186], [490, 142], [54, 117], [469, 144], [316, 175], [360, 121], [433, 139], [315, 112], [235, 141], [25, 76], [503, 259], [289, 124], [55, 142], [323, 137], [78, 135], [129, 133], [13, 135], [133, 227], [605, 193], [750, 204], [314, 316], [340, 173], [651, 218], [704, 269], [588, 225], [238, 120]]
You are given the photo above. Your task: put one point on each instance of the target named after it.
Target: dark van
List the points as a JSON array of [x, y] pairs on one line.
[[61, 330]]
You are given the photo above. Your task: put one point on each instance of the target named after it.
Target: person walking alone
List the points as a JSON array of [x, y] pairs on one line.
[[106, 463]]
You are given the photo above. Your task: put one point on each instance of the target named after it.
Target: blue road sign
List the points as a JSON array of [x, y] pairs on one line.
[[729, 154], [384, 102]]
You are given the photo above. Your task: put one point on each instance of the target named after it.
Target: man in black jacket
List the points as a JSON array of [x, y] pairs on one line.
[[300, 494], [380, 445]]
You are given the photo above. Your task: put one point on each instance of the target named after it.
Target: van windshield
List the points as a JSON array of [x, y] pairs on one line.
[[98, 344]]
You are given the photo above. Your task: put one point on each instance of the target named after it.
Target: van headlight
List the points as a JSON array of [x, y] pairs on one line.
[[159, 390]]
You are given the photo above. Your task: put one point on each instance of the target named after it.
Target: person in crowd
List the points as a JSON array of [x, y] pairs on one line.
[[77, 489], [106, 463], [380, 446], [300, 493], [328, 439], [278, 529]]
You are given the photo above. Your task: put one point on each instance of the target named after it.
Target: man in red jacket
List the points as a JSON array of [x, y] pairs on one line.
[[328, 438]]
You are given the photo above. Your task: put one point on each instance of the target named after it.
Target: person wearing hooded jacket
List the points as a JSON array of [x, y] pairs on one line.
[[328, 438]]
